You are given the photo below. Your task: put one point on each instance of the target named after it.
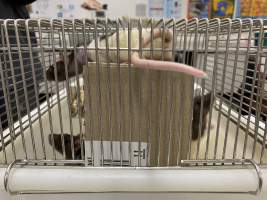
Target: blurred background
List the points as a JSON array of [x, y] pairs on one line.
[[152, 8]]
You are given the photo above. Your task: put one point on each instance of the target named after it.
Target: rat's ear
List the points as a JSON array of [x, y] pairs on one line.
[[62, 57], [50, 73]]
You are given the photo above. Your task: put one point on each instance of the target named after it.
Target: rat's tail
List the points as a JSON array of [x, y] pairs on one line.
[[167, 66], [164, 65]]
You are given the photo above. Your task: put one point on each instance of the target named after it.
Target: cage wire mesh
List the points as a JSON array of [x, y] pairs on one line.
[[108, 113]]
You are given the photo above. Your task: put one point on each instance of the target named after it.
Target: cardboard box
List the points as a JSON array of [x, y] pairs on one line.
[[154, 111]]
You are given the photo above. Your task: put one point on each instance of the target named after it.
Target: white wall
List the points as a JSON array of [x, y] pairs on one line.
[[116, 8], [49, 9]]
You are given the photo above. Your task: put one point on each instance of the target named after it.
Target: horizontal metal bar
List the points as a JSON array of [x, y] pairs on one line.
[[129, 180]]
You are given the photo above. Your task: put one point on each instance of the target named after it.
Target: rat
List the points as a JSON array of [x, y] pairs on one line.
[[90, 54], [207, 98]]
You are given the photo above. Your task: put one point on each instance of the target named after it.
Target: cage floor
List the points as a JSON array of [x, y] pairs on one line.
[[198, 150]]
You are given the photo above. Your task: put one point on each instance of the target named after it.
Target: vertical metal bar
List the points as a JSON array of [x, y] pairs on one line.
[[6, 97], [180, 35], [242, 88], [3, 147], [253, 87], [213, 87], [260, 91], [171, 95], [206, 41], [109, 91], [47, 30], [260, 87], [232, 87], [150, 96], [163, 75], [6, 23], [99, 103], [89, 92], [24, 86], [265, 130], [57, 86], [140, 92], [200, 47], [35, 86], [78, 85], [229, 28], [46, 85], [130, 87], [181, 140], [187, 39], [67, 85], [119, 88]]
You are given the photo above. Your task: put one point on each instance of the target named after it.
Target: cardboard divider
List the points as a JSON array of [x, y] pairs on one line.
[[130, 105]]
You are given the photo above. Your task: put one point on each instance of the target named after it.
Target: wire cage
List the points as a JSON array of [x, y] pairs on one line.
[[56, 109]]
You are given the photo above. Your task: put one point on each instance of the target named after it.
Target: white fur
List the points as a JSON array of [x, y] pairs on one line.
[[123, 47]]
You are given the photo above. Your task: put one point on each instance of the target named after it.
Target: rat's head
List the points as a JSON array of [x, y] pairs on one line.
[[197, 115], [67, 144], [60, 67], [61, 64]]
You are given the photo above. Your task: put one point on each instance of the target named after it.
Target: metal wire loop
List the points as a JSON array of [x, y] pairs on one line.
[[7, 174], [231, 161]]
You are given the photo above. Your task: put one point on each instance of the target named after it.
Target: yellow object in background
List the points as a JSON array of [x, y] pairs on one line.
[[74, 101], [253, 8], [215, 3]]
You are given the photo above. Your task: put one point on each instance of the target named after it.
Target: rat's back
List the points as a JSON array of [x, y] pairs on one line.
[[159, 51]]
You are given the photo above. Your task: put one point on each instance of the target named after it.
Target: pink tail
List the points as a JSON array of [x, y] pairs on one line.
[[164, 65], [169, 66]]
